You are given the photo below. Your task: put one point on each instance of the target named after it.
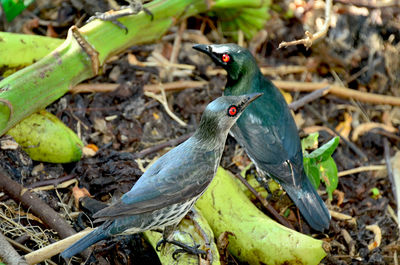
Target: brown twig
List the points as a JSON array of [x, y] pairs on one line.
[[173, 86], [350, 144], [369, 4], [19, 245], [164, 102], [36, 205], [351, 243], [155, 148], [52, 182], [177, 42], [272, 71], [310, 38], [343, 217], [387, 134], [338, 91], [361, 169], [265, 203], [309, 98], [8, 253], [91, 88]]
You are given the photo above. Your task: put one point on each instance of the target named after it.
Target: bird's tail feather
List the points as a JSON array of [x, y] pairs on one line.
[[310, 204], [85, 242]]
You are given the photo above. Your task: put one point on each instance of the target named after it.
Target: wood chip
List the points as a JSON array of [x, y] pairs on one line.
[[365, 127], [343, 217], [8, 144], [378, 236]]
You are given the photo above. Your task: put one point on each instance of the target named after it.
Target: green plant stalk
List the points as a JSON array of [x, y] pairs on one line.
[[38, 85], [20, 50], [261, 13], [239, 3], [257, 238]]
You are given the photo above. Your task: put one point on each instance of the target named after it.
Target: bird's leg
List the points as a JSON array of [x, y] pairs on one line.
[[263, 181], [168, 230], [134, 7], [183, 247]]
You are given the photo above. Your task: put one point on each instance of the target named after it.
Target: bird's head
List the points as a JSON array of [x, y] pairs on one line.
[[236, 60], [221, 114]]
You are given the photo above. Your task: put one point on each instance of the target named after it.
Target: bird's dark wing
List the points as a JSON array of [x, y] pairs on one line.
[[269, 135], [179, 175]]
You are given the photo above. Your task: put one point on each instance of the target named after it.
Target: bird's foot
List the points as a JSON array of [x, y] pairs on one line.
[[148, 12], [264, 183], [183, 248], [135, 6]]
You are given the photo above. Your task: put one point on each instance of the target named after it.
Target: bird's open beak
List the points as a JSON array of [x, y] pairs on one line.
[[250, 98]]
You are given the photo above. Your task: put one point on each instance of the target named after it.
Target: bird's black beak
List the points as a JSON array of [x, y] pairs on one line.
[[250, 98], [203, 48], [207, 49]]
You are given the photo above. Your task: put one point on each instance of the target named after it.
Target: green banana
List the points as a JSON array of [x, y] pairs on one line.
[[257, 238], [191, 231], [45, 138]]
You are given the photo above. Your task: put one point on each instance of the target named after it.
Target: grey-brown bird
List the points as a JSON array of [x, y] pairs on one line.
[[169, 188]]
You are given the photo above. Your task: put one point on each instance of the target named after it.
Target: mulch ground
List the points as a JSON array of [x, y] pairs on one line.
[[361, 52]]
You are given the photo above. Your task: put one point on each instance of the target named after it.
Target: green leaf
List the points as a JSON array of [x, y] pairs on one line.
[[312, 171], [329, 175], [310, 142], [375, 193], [325, 151]]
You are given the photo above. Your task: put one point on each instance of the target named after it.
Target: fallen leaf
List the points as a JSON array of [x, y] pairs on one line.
[[344, 127], [79, 193]]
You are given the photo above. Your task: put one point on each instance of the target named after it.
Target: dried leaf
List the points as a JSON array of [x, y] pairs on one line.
[[344, 127]]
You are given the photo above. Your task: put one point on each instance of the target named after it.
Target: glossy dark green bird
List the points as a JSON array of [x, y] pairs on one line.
[[267, 130]]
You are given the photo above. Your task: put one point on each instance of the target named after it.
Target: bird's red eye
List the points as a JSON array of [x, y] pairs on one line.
[[225, 58], [232, 111]]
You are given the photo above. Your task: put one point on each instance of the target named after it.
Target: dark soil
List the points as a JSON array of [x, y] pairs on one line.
[[360, 51]]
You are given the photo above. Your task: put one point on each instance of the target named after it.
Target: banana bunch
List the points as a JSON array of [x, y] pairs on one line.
[[246, 16]]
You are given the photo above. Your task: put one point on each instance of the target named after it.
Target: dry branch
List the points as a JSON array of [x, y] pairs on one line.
[[309, 98], [91, 88], [361, 169], [35, 204], [265, 203], [173, 86], [340, 91], [310, 38]]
